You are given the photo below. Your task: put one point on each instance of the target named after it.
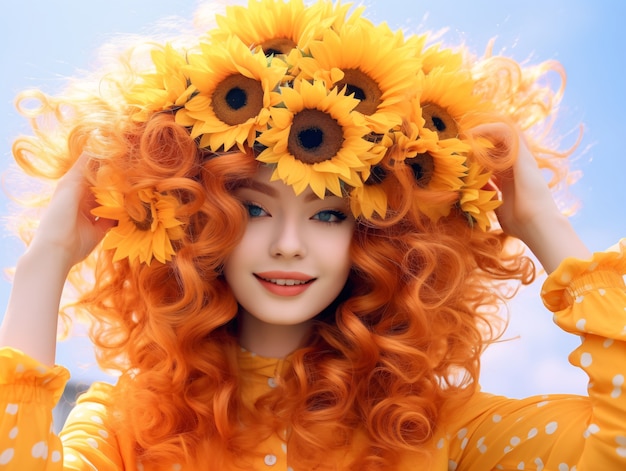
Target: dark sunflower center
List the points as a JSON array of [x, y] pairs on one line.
[[314, 137], [423, 167], [363, 88], [236, 99], [143, 222], [439, 120], [311, 138], [277, 46], [377, 175]]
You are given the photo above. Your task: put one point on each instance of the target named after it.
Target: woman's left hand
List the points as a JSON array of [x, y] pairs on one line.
[[528, 211]]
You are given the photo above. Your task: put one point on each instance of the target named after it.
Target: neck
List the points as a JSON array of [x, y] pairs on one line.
[[270, 340]]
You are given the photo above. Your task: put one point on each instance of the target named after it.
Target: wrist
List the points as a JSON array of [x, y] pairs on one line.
[[49, 257], [552, 239]]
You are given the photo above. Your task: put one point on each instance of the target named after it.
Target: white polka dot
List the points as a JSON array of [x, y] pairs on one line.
[[272, 382], [55, 456], [602, 291], [532, 432], [71, 458], [539, 464], [11, 409], [551, 428], [566, 277], [176, 467], [97, 419], [521, 465], [283, 447], [496, 418], [19, 368], [6, 456], [515, 441], [621, 440], [92, 442], [579, 299], [585, 359], [563, 467], [607, 343], [41, 369], [140, 466], [464, 443], [289, 468], [462, 433], [440, 443], [580, 324], [40, 450], [542, 403], [103, 433], [593, 428], [480, 444], [13, 433], [621, 451], [508, 449], [452, 465], [618, 382], [270, 460]]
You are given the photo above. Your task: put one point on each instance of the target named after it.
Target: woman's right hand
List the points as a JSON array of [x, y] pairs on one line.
[[67, 225]]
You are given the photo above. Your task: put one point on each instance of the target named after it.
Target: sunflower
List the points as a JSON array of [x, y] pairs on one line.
[[165, 88], [277, 27], [476, 201], [146, 226], [371, 63], [449, 104], [316, 140], [232, 94]]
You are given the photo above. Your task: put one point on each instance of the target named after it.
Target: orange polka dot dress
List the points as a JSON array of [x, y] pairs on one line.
[[549, 433]]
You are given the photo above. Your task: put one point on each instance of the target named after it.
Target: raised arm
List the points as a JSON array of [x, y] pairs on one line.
[[67, 233]]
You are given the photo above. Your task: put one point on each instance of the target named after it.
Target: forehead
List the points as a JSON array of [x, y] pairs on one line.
[[262, 182]]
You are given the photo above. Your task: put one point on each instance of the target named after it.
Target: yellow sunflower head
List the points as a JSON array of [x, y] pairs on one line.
[[147, 222], [449, 103], [232, 94], [316, 140], [164, 88]]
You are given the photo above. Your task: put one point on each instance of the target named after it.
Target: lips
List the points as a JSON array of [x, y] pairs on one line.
[[284, 283]]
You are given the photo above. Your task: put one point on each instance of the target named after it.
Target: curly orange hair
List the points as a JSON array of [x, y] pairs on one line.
[[404, 337]]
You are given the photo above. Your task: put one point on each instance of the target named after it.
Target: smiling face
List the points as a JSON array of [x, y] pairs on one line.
[[292, 262]]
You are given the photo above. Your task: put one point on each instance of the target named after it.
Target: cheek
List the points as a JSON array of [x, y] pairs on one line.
[[336, 253]]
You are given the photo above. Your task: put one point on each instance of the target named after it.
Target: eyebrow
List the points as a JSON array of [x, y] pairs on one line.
[[260, 187]]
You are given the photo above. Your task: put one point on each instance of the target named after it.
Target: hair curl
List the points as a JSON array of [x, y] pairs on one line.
[[404, 337]]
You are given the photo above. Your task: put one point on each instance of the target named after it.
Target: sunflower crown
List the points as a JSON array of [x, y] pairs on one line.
[[329, 100]]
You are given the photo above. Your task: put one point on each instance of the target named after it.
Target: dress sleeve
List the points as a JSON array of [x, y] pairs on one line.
[[588, 298], [28, 393], [561, 432]]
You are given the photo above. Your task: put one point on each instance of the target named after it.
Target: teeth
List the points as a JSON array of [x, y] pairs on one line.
[[282, 282]]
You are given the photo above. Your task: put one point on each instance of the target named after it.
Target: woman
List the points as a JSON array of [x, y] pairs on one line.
[[301, 262]]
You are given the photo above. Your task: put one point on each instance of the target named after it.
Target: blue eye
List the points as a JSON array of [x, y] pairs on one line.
[[330, 216], [254, 210]]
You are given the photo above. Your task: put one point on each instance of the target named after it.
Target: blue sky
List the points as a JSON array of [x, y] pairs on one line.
[[46, 41]]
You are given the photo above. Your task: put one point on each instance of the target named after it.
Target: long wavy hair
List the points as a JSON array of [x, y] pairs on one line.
[[404, 337]]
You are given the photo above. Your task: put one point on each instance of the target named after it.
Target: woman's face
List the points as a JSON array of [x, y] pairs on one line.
[[293, 259]]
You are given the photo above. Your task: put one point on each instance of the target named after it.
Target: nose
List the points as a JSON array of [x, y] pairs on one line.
[[289, 239]]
